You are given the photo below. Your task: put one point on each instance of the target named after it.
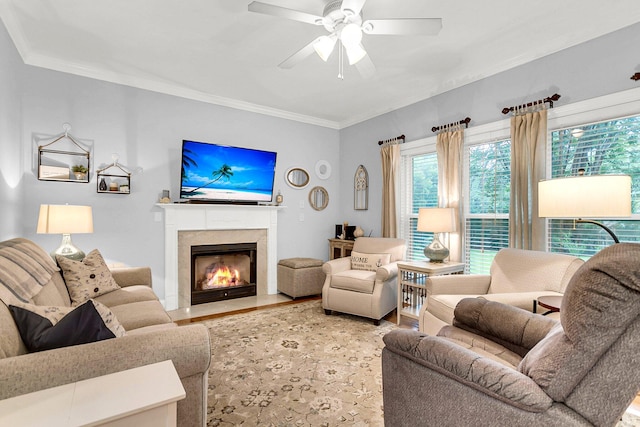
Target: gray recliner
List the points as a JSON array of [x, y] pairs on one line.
[[499, 365], [369, 291]]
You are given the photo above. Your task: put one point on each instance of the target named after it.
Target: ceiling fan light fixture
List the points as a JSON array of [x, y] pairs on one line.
[[324, 47], [351, 35], [355, 53]]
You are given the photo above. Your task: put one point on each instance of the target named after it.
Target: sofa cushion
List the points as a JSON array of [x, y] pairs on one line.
[[368, 262], [140, 314], [88, 278], [127, 295], [24, 269], [49, 327], [354, 280], [443, 306]]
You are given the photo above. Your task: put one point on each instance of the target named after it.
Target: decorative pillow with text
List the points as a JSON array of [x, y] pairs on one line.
[[369, 262], [88, 278], [48, 327]]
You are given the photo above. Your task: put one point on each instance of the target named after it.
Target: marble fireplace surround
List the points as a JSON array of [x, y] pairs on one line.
[[189, 225]]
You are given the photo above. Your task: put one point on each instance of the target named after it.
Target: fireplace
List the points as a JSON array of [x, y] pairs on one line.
[[222, 271], [189, 225]]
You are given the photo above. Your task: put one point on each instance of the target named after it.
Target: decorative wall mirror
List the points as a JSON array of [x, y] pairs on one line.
[[361, 189], [297, 177], [323, 169], [318, 198]]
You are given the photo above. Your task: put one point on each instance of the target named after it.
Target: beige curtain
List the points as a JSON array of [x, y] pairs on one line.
[[449, 150], [390, 154], [528, 148]]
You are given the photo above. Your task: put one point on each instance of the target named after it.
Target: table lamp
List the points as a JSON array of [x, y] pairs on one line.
[[586, 196], [436, 220], [65, 219]]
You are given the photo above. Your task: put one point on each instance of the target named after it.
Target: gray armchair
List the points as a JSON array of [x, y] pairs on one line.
[[500, 365], [366, 291]]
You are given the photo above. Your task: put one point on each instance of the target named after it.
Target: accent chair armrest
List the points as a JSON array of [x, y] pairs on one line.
[[512, 327], [336, 265], [387, 272], [459, 284], [467, 367], [131, 276]]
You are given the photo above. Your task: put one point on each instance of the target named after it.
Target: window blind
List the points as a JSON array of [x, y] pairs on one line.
[[487, 219], [602, 148]]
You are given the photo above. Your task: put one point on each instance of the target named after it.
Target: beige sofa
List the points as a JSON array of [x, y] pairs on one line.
[[150, 337], [517, 277]]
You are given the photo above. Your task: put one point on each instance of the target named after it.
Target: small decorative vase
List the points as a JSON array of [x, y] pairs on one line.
[[279, 198], [103, 185], [358, 232]]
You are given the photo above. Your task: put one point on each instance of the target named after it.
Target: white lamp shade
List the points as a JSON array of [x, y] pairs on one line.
[[324, 46], [437, 220], [351, 35], [590, 196], [355, 53], [65, 219]]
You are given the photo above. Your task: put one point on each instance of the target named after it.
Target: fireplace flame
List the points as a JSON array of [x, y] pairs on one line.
[[222, 277]]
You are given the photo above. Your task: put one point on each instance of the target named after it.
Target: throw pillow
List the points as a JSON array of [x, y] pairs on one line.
[[45, 328], [369, 262], [88, 278]]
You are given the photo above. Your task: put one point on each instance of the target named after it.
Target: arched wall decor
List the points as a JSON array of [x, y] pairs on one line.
[[361, 189]]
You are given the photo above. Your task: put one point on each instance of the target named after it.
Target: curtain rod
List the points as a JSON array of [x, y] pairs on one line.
[[464, 122], [392, 139], [636, 77], [550, 100]]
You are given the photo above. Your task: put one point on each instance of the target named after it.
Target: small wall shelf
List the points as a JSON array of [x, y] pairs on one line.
[[114, 179], [69, 162]]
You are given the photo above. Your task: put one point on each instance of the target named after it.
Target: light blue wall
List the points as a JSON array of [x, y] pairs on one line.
[[599, 67], [146, 130], [10, 147]]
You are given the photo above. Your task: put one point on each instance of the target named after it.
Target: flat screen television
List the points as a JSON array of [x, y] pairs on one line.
[[213, 173]]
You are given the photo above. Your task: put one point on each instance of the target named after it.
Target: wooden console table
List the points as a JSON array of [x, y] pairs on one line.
[[339, 248], [412, 283], [143, 397]]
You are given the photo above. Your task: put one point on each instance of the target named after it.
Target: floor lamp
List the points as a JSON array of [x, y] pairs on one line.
[[586, 196], [65, 219]]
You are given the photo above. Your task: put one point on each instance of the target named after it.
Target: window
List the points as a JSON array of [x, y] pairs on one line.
[[610, 147], [487, 219], [420, 190]]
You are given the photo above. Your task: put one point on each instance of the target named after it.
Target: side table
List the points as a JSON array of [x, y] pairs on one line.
[[412, 283], [553, 303], [340, 248]]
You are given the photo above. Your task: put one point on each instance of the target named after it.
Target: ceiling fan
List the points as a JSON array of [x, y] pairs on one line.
[[343, 20]]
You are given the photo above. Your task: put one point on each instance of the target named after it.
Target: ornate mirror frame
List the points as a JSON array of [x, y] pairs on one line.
[[297, 177], [318, 198], [361, 189]]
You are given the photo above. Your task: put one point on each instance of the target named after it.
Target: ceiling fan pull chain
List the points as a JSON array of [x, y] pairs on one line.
[[340, 61]]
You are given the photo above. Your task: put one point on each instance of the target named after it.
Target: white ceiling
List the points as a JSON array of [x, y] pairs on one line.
[[216, 51]]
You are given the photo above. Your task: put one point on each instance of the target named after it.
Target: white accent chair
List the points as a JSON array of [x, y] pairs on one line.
[[517, 277], [371, 294]]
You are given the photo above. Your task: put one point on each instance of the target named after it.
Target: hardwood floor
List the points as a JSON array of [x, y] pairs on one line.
[[391, 317]]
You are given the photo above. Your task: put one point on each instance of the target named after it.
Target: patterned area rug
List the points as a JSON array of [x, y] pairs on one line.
[[295, 366]]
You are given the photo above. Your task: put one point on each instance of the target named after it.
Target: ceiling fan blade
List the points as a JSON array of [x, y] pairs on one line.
[[365, 67], [294, 59], [283, 12], [406, 26], [352, 6]]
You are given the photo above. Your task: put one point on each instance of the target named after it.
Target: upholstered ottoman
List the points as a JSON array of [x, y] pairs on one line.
[[299, 277]]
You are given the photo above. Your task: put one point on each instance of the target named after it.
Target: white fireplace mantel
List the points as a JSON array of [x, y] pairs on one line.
[[189, 217]]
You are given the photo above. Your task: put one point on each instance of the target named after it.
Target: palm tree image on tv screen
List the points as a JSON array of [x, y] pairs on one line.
[[217, 173]]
